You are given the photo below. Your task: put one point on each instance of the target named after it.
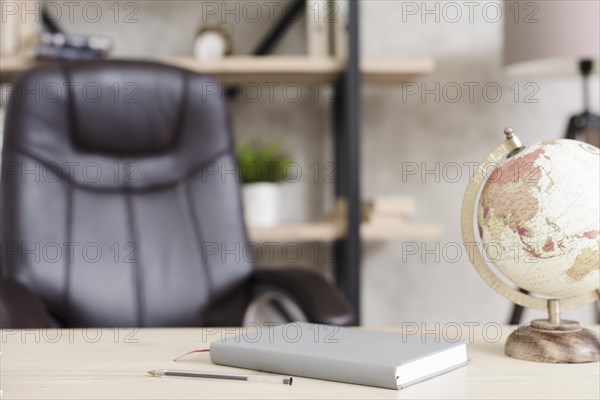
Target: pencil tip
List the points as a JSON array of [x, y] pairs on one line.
[[152, 373]]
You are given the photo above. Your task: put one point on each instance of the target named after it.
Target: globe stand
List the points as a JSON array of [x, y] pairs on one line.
[[553, 341]]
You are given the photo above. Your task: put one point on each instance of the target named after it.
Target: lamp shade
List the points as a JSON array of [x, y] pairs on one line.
[[550, 36]]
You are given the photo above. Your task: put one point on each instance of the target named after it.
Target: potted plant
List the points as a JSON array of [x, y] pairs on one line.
[[262, 168]]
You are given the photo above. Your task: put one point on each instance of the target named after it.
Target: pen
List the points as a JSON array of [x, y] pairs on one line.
[[286, 380]]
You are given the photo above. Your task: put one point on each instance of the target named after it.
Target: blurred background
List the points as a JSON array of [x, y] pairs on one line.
[[419, 135]]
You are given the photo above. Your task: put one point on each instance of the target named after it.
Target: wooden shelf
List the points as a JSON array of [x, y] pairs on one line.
[[330, 231], [304, 69], [240, 69], [396, 70], [274, 68], [297, 232], [401, 230]]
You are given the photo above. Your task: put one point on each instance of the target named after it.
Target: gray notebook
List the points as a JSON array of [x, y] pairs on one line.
[[348, 355]]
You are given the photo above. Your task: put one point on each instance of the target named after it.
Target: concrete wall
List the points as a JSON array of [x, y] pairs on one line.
[[398, 130]]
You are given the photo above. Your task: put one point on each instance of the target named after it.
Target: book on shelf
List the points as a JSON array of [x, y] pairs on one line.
[[89, 42], [380, 209], [68, 53], [390, 206], [63, 46]]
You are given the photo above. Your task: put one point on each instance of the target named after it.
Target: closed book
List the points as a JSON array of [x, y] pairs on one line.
[[347, 355], [392, 205]]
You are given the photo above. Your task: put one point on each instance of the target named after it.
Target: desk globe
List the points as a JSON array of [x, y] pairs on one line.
[[538, 222]]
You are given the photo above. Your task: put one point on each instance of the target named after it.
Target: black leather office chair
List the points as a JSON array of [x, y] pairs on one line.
[[121, 205]]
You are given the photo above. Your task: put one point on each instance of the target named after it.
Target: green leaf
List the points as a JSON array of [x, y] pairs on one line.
[[261, 162]]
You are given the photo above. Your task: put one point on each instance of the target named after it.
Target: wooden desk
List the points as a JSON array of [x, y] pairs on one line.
[[112, 364]]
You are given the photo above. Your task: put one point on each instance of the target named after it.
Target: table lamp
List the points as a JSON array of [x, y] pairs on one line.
[[556, 37]]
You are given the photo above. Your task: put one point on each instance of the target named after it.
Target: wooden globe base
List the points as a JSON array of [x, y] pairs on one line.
[[543, 341]]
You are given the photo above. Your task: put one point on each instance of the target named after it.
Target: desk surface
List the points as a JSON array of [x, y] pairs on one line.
[[109, 363]]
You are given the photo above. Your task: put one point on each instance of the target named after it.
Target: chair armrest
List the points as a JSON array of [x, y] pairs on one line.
[[20, 308], [321, 301]]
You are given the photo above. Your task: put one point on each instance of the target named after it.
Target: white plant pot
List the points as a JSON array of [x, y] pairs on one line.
[[261, 203]]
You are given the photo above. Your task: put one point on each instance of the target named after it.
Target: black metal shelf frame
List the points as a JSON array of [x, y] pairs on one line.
[[346, 125]]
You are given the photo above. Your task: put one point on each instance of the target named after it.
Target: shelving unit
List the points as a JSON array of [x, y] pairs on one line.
[[241, 69]]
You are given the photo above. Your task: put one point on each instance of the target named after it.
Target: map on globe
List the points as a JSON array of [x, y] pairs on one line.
[[539, 218]]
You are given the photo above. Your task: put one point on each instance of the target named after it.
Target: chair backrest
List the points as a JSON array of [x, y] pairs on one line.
[[120, 197]]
